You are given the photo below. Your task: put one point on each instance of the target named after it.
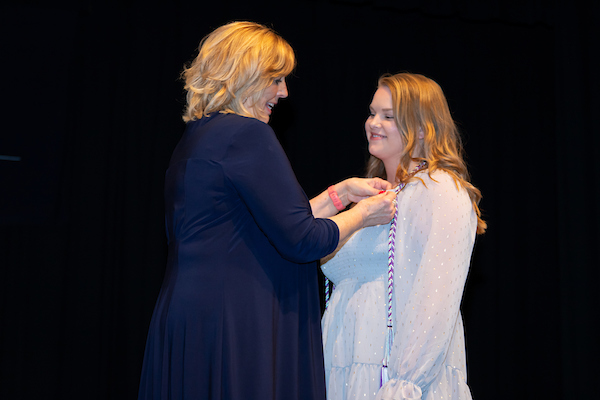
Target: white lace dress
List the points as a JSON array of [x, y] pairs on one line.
[[434, 241]]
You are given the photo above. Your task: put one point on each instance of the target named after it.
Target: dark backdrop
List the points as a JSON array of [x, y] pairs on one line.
[[92, 104]]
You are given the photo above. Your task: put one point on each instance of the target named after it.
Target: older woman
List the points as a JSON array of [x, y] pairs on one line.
[[238, 314], [393, 328]]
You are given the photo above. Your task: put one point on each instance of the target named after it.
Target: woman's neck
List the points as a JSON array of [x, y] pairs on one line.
[[391, 168]]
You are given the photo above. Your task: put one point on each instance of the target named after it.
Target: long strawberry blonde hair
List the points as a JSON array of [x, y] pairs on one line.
[[419, 103]]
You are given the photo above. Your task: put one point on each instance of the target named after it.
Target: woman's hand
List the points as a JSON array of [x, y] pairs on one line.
[[357, 189], [352, 190], [377, 210]]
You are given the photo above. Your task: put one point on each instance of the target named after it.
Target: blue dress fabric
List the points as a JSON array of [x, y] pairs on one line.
[[238, 313]]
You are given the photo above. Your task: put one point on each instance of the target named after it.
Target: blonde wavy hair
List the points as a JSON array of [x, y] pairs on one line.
[[235, 64], [419, 103]]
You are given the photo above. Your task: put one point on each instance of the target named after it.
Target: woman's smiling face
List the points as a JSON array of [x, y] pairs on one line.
[[271, 95], [382, 132]]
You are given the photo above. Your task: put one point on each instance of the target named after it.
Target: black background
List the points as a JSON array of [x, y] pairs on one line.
[[92, 105]]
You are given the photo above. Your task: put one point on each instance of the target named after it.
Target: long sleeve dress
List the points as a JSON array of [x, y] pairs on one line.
[[434, 241], [238, 313]]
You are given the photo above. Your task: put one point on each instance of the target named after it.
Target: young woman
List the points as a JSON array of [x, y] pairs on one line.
[[393, 328]]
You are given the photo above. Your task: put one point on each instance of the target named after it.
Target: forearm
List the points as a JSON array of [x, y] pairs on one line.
[[348, 222]]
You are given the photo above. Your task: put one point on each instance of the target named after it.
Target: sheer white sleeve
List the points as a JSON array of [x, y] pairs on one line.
[[434, 242]]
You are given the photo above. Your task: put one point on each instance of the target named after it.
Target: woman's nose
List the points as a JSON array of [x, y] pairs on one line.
[[282, 91], [375, 122]]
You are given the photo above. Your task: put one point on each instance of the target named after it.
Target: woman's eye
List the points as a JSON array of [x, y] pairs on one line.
[[389, 117], [278, 81]]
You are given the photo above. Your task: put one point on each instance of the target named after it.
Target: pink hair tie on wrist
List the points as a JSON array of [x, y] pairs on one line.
[[334, 198]]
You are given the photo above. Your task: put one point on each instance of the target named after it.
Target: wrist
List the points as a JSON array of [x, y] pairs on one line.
[[342, 188], [334, 197], [362, 212]]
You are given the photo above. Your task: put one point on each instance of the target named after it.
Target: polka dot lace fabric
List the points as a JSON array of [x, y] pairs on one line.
[[434, 241]]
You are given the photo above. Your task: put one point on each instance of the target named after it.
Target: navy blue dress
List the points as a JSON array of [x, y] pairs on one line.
[[238, 314]]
